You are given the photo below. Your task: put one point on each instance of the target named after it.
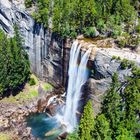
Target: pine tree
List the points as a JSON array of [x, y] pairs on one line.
[[14, 63], [102, 129], [131, 97], [111, 106], [86, 122]]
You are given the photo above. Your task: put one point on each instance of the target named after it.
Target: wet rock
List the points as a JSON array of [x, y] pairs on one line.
[[63, 135], [51, 132]]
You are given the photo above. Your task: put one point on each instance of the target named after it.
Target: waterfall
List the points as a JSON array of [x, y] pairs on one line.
[[78, 75]]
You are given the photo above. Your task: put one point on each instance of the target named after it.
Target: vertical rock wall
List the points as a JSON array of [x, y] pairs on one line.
[[46, 51]]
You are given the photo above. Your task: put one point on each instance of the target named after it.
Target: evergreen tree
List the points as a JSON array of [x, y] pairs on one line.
[[131, 98], [14, 63], [124, 134], [87, 122], [42, 13], [102, 129], [112, 104]]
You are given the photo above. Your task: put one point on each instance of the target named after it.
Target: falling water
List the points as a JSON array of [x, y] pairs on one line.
[[78, 75]]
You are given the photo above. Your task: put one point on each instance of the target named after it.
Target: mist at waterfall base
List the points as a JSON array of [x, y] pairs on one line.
[[78, 75]]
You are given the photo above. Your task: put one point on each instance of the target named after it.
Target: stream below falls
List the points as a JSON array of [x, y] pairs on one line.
[[41, 123]]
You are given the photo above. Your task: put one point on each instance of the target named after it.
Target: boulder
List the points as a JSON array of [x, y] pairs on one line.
[[51, 132], [105, 67]]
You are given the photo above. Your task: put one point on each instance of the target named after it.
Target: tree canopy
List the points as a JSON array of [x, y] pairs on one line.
[[71, 17], [14, 63]]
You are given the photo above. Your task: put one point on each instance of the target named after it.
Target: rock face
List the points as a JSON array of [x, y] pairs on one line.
[[46, 53], [103, 68], [56, 64]]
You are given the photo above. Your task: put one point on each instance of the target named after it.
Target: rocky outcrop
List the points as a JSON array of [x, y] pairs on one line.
[[13, 119], [102, 68]]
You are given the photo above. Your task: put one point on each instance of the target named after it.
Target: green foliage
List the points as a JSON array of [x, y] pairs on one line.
[[121, 110], [102, 129], [14, 63], [32, 82], [42, 13], [117, 30], [89, 32], [124, 64], [86, 122], [134, 41], [116, 57], [28, 3], [122, 43], [124, 134], [111, 105], [119, 118], [70, 17], [138, 28], [73, 136], [47, 87]]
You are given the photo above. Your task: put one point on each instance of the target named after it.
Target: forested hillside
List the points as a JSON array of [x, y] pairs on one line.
[[70, 17], [14, 63]]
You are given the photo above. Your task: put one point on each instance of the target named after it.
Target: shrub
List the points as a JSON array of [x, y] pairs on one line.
[[134, 41], [116, 57], [32, 82], [138, 28], [101, 25], [117, 30], [89, 32], [124, 64], [47, 87], [122, 43], [28, 3], [127, 64]]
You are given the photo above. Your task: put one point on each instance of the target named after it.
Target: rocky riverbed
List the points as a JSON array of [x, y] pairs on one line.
[[13, 112]]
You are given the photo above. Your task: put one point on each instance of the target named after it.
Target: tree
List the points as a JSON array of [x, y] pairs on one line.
[[14, 63], [131, 98], [42, 13], [73, 136], [102, 129], [111, 106], [124, 134], [86, 122]]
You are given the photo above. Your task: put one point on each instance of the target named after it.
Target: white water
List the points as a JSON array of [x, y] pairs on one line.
[[78, 75]]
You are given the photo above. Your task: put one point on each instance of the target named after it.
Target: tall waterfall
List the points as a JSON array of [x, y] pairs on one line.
[[78, 75]]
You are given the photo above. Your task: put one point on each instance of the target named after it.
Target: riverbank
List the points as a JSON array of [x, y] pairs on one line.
[[15, 109]]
